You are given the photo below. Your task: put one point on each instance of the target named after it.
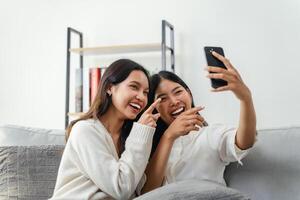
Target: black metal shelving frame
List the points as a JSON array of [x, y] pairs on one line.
[[71, 31]]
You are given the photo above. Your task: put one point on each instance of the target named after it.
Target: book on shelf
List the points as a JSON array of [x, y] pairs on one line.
[[86, 90], [95, 77], [87, 81], [78, 90]]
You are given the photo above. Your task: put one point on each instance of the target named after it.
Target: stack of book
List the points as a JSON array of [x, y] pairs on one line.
[[87, 81]]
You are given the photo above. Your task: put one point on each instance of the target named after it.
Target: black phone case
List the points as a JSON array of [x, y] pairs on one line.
[[213, 61]]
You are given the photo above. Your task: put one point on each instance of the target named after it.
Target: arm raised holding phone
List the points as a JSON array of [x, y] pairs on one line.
[[246, 132]]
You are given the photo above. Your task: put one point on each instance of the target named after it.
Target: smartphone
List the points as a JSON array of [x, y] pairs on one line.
[[213, 61]]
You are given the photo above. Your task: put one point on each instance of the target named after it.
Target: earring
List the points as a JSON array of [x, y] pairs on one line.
[[108, 93]]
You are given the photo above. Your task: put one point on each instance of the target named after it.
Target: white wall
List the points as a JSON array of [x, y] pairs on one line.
[[261, 38]]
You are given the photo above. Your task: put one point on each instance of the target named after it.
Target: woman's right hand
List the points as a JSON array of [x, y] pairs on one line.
[[187, 121], [148, 118]]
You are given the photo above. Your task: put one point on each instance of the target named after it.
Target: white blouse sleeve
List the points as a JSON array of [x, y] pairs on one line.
[[118, 178], [224, 139], [228, 150]]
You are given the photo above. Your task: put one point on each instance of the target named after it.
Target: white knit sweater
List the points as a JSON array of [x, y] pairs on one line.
[[91, 169]]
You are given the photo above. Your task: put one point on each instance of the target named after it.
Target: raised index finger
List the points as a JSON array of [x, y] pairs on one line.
[[219, 56], [223, 59], [193, 110], [153, 105], [226, 62]]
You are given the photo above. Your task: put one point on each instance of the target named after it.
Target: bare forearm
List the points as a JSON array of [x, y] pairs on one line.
[[156, 168], [246, 132]]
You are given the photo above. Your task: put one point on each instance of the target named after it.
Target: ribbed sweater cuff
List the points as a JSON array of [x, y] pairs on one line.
[[141, 133]]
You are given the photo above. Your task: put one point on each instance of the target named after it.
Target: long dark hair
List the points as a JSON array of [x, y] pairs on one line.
[[154, 83], [117, 72]]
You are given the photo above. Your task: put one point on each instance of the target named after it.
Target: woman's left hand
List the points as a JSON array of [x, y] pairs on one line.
[[232, 76]]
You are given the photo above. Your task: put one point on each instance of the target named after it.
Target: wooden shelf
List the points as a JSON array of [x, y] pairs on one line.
[[151, 47], [75, 115]]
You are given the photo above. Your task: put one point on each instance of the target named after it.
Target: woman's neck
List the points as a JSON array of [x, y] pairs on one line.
[[112, 122]]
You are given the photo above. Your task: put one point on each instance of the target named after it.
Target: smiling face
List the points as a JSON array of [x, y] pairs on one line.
[[130, 96], [175, 99]]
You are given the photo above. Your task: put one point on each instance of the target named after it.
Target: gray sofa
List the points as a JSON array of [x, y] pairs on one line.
[[29, 159], [272, 169]]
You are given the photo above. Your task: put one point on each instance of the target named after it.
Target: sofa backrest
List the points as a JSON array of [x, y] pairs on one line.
[[13, 135], [271, 171]]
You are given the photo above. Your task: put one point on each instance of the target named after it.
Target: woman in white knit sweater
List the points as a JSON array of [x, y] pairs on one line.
[[106, 151], [184, 148]]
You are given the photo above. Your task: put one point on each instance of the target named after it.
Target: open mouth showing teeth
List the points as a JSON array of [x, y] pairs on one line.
[[177, 112], [135, 106]]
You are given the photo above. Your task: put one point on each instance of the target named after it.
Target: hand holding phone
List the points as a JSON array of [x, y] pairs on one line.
[[213, 61]]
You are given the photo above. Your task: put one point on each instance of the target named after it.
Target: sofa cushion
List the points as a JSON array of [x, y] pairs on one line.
[[12, 135], [272, 169], [29, 172], [193, 190]]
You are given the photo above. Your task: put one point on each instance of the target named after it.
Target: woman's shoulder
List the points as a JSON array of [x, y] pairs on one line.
[[88, 124], [89, 128], [88, 133], [85, 123]]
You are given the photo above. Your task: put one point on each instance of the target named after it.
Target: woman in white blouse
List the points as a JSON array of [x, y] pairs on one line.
[[107, 152], [184, 148]]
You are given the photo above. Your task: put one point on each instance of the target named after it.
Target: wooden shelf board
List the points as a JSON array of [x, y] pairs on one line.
[[135, 48], [75, 114]]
